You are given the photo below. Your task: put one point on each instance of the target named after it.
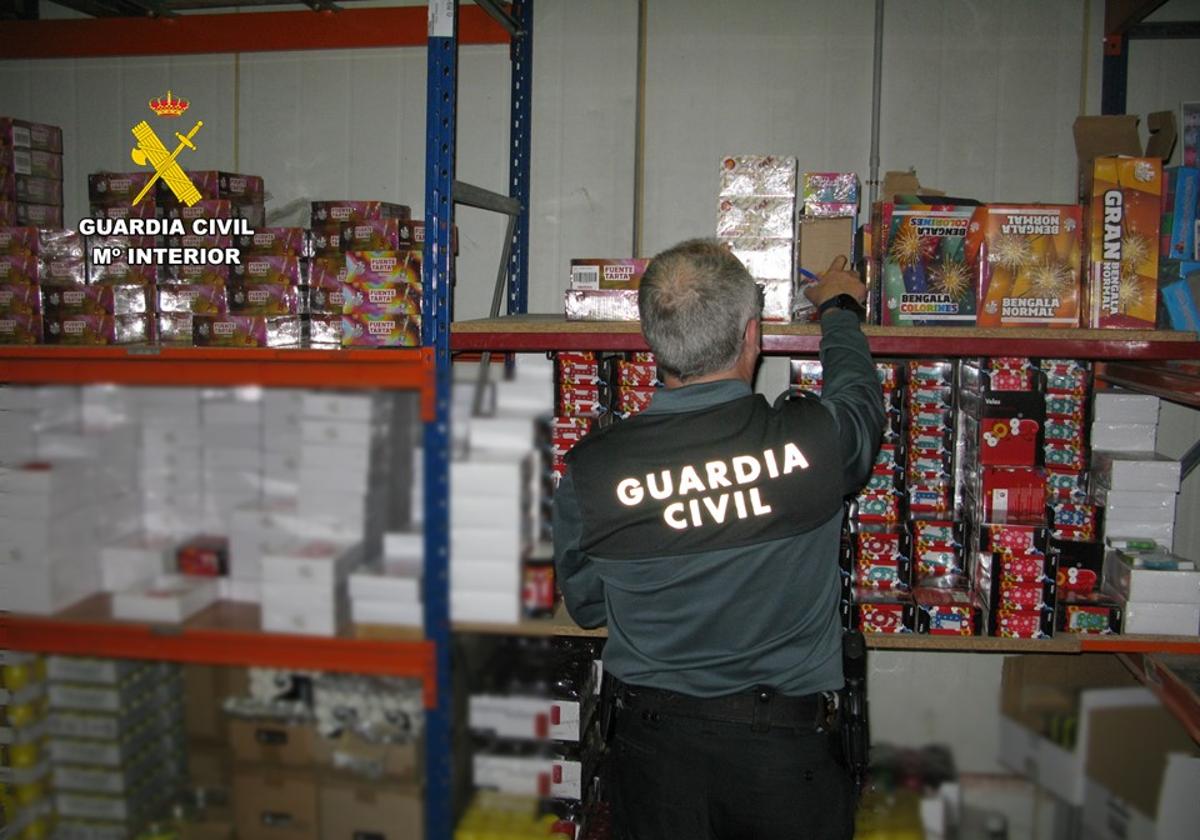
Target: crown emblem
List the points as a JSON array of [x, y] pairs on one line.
[[169, 107]]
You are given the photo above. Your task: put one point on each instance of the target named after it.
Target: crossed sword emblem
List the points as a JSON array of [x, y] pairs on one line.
[[150, 150]]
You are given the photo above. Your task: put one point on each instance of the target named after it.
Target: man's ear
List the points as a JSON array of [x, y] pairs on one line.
[[753, 335]]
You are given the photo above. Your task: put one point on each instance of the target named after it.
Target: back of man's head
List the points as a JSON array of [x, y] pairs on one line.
[[695, 300]]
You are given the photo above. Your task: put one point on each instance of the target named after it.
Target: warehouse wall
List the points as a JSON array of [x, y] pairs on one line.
[[978, 96]]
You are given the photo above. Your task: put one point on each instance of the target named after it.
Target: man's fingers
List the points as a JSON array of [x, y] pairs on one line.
[[838, 264]]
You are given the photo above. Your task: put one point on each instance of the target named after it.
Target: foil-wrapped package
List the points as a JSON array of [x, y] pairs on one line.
[[324, 330], [99, 329], [175, 328], [601, 304], [758, 175], [778, 300], [245, 331], [830, 194], [765, 259], [769, 217], [199, 298], [98, 300]]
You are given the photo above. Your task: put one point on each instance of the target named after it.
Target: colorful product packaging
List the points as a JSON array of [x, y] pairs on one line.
[[144, 209], [19, 268], [284, 269], [947, 612], [607, 273], [382, 283], [377, 235], [20, 329], [98, 300], [884, 611], [245, 331], [34, 190], [62, 271], [98, 329], [20, 299], [108, 189], [205, 208], [325, 213], [1123, 233], [770, 217], [36, 163], [1027, 262], [276, 241], [762, 175], [1090, 613], [1181, 200], [262, 299], [323, 330], [23, 134], [601, 304], [926, 275], [39, 215], [828, 194]]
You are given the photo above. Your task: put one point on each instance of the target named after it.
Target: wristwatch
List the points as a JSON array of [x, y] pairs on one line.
[[842, 301]]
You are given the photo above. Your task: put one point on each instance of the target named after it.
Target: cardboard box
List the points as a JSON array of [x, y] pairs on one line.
[[1133, 471], [1036, 688], [607, 273], [271, 803], [1026, 260], [274, 743], [209, 766], [353, 811], [925, 277], [1101, 136], [1162, 619], [1179, 295], [1142, 774], [821, 240], [1181, 197], [359, 759]]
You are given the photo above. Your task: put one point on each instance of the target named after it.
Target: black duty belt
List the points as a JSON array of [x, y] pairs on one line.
[[760, 708]]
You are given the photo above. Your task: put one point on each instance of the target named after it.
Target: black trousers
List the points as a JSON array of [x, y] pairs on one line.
[[680, 777]]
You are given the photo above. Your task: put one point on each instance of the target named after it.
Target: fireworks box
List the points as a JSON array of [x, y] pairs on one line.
[[20, 299], [205, 208], [39, 215], [20, 329], [997, 493], [33, 190], [1181, 199], [758, 175], [19, 268], [199, 298], [245, 331], [1026, 260], [924, 273], [22, 134], [947, 612], [1091, 613], [283, 270], [1004, 428], [98, 329], [607, 273], [1123, 225], [31, 162], [106, 189], [1180, 290], [600, 304], [326, 214], [377, 235], [213, 185], [276, 241], [32, 240], [382, 283], [145, 209], [830, 194], [883, 611], [98, 300], [771, 217], [248, 298]]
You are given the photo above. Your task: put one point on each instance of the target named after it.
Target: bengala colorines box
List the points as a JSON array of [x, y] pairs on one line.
[[1026, 261], [1123, 224], [925, 275]]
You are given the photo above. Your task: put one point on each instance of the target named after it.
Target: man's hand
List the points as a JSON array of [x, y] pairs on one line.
[[836, 281]]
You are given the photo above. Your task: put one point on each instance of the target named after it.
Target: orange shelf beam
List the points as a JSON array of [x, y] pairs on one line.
[[225, 634], [410, 370], [404, 26]]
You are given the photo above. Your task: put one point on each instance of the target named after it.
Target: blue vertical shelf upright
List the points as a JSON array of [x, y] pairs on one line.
[[440, 140]]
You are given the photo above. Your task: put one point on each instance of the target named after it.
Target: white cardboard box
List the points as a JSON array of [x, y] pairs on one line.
[[335, 406], [1164, 619], [134, 559], [313, 562], [386, 612], [1161, 532], [1149, 585], [1125, 407], [168, 598], [1124, 437], [488, 607], [302, 622], [1126, 471], [373, 586]]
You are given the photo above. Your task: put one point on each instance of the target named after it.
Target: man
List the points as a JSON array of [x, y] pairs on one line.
[[704, 532]]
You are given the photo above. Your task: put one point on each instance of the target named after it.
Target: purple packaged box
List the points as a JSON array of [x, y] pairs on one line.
[[212, 184], [20, 299], [205, 208], [328, 272], [106, 189], [245, 331], [263, 299], [38, 190], [268, 268], [41, 215], [326, 213], [61, 271], [382, 283], [277, 241], [121, 273], [174, 328], [98, 300], [327, 241], [378, 235], [20, 329], [198, 298], [325, 300], [145, 209], [19, 268], [33, 240], [123, 242], [35, 162], [101, 329], [192, 240], [23, 134], [363, 329], [207, 275]]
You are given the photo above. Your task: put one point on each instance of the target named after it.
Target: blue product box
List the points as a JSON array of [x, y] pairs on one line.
[[1180, 290], [1181, 194]]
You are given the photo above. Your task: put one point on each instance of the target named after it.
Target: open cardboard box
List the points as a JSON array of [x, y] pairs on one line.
[[1109, 136], [1143, 772], [1034, 689]]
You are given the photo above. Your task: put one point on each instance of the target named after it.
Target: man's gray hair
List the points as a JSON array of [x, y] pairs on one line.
[[695, 300]]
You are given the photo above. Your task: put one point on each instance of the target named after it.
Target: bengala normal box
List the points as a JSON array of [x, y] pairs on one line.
[[925, 276], [1026, 260], [1123, 227]]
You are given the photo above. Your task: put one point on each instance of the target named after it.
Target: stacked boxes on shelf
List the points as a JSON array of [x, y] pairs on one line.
[[31, 173], [1003, 411], [756, 221], [1179, 256], [116, 744], [1157, 592], [580, 399], [41, 287], [390, 595], [25, 801], [827, 228], [604, 289], [535, 722], [326, 755], [365, 285], [924, 275]]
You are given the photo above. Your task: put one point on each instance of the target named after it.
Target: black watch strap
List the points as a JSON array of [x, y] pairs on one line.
[[842, 301]]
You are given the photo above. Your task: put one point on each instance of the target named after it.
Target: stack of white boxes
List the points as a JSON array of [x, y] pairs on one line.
[[304, 586], [171, 465], [282, 409], [116, 744], [1160, 592], [345, 461], [1137, 487], [48, 538], [495, 498], [391, 595], [233, 456]]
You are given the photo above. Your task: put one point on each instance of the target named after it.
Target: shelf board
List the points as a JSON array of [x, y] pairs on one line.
[[403, 369], [543, 333], [226, 633], [1177, 381], [1176, 682]]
